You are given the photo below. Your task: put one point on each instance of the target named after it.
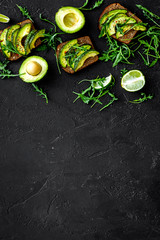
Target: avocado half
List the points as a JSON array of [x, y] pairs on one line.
[[70, 19], [33, 69]]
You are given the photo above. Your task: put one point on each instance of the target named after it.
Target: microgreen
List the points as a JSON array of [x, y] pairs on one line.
[[5, 72], [24, 12], [40, 92], [10, 47], [149, 15], [90, 94], [123, 71], [142, 99], [50, 40], [96, 5]]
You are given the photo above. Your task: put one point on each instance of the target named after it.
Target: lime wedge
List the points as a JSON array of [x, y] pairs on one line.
[[133, 81], [102, 83], [4, 19]]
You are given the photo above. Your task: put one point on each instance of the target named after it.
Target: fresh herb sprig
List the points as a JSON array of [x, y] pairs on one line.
[[123, 71], [90, 94], [148, 14], [50, 40], [5, 72], [24, 12], [142, 99], [96, 5], [40, 92], [9, 47]]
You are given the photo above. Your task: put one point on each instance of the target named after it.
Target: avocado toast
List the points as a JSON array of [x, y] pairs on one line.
[[21, 36], [85, 54], [118, 18]]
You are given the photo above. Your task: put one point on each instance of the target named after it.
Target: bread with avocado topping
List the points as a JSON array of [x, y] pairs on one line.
[[131, 33], [89, 61], [15, 56]]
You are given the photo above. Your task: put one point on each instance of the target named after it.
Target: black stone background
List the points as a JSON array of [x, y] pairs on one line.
[[71, 172]]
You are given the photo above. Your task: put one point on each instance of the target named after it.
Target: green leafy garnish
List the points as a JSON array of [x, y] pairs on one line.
[[117, 52], [24, 12], [10, 47], [123, 71], [40, 92], [90, 94], [96, 5], [51, 40], [142, 99], [148, 14], [5, 72]]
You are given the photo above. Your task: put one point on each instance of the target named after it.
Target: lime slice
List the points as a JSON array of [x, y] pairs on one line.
[[133, 81], [102, 83], [4, 19]]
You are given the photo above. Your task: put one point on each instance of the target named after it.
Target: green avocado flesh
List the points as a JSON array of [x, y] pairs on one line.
[[73, 54], [3, 38], [105, 17], [24, 31], [84, 57], [11, 30], [14, 36], [64, 50], [22, 38], [32, 65], [80, 51], [70, 19], [127, 28], [119, 19]]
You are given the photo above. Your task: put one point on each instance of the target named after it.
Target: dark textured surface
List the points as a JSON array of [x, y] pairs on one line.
[[71, 172]]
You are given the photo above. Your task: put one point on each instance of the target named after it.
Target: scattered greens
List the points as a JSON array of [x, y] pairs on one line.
[[148, 14], [4, 71], [51, 40], [10, 47], [90, 94], [25, 12], [40, 92], [96, 5], [142, 99], [146, 43], [123, 71]]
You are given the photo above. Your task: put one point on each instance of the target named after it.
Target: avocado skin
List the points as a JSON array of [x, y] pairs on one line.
[[14, 36], [27, 42], [34, 37], [29, 78]]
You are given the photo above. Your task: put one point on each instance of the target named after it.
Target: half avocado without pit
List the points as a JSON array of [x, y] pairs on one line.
[[70, 19]]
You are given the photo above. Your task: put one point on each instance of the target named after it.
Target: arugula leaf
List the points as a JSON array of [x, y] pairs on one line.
[[90, 94], [24, 12], [97, 4], [144, 98], [148, 14], [124, 71], [51, 40], [5, 72], [40, 92], [10, 48]]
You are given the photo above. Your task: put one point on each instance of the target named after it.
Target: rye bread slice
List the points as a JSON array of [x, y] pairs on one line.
[[15, 56], [89, 61], [129, 35]]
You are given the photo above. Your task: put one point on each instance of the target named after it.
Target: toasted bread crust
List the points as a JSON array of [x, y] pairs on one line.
[[127, 37], [15, 56], [89, 61]]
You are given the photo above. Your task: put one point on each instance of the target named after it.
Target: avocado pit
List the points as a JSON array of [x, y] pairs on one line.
[[33, 68], [70, 19]]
